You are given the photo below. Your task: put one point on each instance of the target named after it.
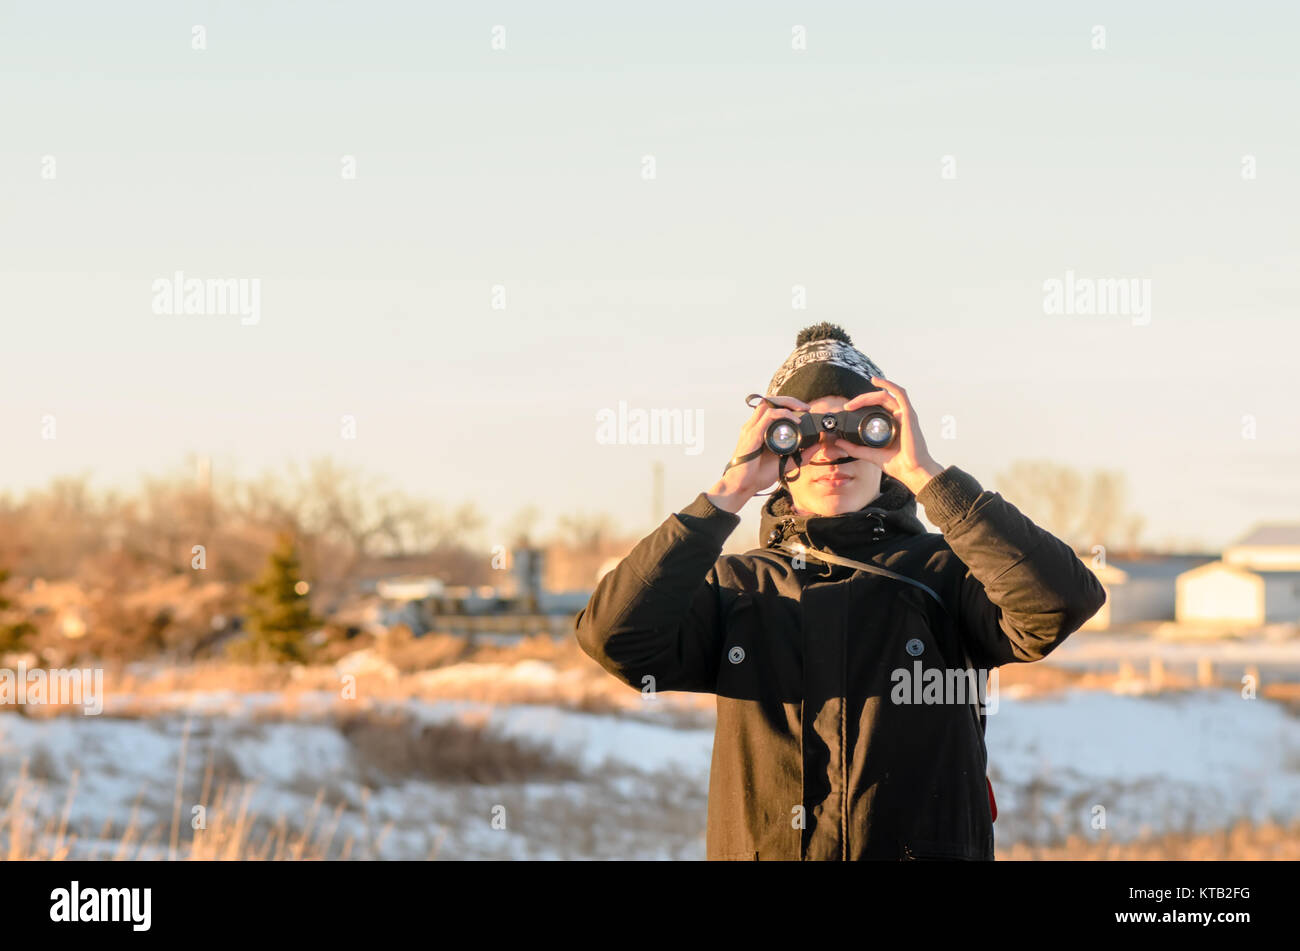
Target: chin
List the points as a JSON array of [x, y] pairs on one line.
[[841, 505], [832, 503]]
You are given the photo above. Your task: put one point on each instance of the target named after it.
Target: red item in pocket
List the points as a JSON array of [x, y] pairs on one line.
[[993, 803]]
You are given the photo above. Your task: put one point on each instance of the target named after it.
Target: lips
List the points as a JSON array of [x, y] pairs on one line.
[[833, 475]]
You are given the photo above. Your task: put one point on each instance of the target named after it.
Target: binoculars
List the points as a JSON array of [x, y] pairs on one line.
[[871, 426]]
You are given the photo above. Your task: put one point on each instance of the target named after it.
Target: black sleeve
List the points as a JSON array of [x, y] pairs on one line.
[[657, 613], [1025, 591]]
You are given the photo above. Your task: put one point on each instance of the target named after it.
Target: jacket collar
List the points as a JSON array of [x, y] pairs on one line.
[[890, 514]]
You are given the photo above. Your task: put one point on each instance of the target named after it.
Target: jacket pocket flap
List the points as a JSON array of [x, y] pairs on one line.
[[928, 849]]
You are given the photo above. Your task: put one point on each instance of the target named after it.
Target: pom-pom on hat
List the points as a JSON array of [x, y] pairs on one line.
[[824, 363]]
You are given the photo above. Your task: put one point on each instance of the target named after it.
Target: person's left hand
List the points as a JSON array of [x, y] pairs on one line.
[[906, 459]]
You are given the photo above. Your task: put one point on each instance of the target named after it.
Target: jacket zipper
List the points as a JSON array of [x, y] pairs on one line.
[[777, 534]]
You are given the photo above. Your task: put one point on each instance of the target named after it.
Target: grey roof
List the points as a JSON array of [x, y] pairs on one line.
[[1167, 567], [1268, 574], [1284, 534]]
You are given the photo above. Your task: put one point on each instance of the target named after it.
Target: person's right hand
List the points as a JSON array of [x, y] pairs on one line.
[[739, 484]]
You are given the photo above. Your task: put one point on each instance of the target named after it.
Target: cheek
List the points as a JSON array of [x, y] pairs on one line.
[[803, 493]]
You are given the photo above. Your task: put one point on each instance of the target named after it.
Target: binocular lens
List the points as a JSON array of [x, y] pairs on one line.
[[782, 438], [876, 431], [785, 437]]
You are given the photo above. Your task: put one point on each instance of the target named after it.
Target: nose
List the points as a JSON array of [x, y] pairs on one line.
[[825, 443]]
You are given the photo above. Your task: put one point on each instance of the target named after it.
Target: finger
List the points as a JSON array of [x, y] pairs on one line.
[[755, 431], [772, 415], [873, 398], [791, 403], [896, 391], [766, 405]]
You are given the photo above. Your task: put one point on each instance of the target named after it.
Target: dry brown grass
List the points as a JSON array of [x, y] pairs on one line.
[[1044, 679], [234, 833], [1242, 841], [392, 746], [431, 668], [230, 831], [409, 654], [388, 747], [446, 667]]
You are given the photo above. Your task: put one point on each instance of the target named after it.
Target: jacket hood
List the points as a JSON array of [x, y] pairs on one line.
[[891, 513]]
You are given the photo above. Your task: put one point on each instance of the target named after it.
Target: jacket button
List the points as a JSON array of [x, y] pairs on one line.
[[736, 655], [915, 646]]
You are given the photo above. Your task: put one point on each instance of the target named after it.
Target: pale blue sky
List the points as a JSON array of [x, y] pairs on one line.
[[522, 168]]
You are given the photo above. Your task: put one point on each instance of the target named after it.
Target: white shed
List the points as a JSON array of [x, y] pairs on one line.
[[1140, 589], [1227, 593]]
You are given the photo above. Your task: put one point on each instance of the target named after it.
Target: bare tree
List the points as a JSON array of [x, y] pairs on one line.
[[1104, 515], [1081, 510], [523, 526], [1051, 495], [354, 516], [1132, 531], [583, 530]]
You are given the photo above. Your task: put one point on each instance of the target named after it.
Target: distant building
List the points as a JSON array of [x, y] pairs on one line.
[[527, 567], [577, 567], [1140, 590], [1273, 547], [1223, 593], [410, 588], [410, 600], [564, 602], [1257, 582], [424, 603]]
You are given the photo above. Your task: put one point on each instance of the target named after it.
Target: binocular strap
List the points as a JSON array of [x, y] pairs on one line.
[[826, 557], [781, 461]]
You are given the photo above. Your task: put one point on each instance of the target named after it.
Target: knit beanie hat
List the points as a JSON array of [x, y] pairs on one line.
[[824, 363]]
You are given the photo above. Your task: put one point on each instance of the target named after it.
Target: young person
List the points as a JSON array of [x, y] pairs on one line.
[[827, 747]]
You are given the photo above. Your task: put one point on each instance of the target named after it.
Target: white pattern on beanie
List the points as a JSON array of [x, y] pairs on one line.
[[833, 352]]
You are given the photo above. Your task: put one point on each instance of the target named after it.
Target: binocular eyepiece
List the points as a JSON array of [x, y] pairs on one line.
[[871, 426]]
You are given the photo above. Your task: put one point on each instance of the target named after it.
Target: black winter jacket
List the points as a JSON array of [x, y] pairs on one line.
[[816, 756]]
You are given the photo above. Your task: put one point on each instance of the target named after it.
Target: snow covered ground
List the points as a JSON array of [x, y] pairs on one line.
[[1169, 761], [1278, 657], [631, 787]]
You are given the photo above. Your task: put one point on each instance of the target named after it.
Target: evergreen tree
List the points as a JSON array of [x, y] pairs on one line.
[[13, 637], [279, 614]]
